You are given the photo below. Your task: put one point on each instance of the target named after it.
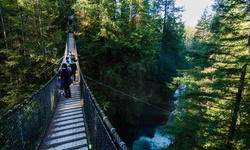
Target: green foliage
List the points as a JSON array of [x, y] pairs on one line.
[[210, 110], [33, 41], [190, 31], [124, 45], [129, 45]]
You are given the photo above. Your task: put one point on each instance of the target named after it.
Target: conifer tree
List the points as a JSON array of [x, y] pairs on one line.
[[122, 44], [212, 113], [32, 40]]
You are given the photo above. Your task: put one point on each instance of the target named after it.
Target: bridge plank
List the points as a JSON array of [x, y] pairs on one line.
[[67, 127]]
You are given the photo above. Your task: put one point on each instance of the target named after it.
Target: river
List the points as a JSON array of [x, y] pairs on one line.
[[148, 136]]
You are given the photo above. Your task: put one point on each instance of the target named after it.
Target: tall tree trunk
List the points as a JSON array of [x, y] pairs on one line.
[[4, 31], [248, 43], [236, 108], [164, 24], [39, 19], [131, 12]]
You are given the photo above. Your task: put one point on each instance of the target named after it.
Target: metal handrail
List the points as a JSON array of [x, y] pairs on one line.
[[89, 100], [23, 126]]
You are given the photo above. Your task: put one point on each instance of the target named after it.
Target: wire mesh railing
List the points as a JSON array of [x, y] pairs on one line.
[[22, 126], [102, 135]]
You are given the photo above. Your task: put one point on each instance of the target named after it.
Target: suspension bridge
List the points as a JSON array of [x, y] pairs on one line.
[[46, 120]]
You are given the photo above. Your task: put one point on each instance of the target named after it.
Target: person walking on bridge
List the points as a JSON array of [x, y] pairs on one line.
[[66, 79], [73, 66]]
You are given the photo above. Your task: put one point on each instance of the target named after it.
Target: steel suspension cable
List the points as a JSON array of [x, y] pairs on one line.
[[137, 99], [58, 60], [134, 98]]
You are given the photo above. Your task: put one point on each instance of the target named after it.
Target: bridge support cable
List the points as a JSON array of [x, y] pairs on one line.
[[98, 123], [23, 125], [125, 94], [101, 134]]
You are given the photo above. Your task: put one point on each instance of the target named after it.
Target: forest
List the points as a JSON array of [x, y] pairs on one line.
[[143, 49]]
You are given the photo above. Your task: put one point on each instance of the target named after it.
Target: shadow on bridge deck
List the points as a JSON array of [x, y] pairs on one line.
[[67, 127], [72, 125]]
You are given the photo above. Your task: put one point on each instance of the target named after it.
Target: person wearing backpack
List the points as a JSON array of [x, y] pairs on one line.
[[73, 66], [65, 75]]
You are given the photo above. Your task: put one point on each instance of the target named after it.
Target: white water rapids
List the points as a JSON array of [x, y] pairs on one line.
[[158, 141]]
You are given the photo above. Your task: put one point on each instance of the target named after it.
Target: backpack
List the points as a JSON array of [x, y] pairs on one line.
[[66, 73]]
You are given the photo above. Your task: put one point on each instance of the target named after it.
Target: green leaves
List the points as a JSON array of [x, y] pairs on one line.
[[121, 46], [33, 39], [217, 88]]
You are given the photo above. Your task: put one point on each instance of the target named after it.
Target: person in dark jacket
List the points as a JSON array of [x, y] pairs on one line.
[[73, 66], [66, 79]]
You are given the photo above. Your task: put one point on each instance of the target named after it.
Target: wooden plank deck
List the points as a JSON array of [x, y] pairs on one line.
[[67, 127]]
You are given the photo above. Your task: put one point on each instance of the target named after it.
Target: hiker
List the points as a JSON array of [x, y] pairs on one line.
[[59, 84], [68, 58], [73, 66], [66, 79]]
